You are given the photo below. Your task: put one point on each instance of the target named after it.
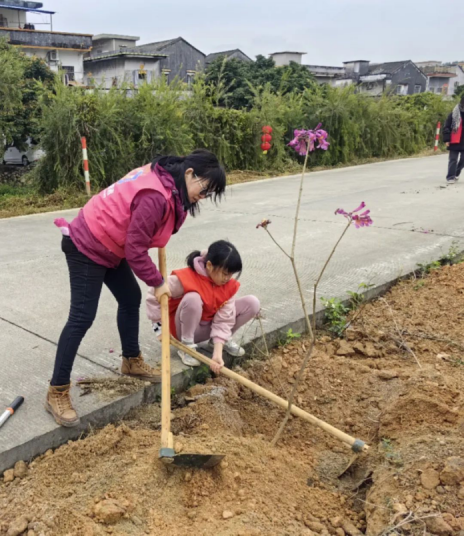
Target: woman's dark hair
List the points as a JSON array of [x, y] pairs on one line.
[[205, 166], [222, 254]]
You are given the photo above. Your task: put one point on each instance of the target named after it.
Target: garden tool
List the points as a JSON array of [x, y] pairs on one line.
[[11, 409], [167, 453], [357, 445]]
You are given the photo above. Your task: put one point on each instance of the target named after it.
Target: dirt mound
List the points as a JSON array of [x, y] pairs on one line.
[[369, 385]]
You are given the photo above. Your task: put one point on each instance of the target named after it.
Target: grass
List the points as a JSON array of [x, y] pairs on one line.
[[23, 200]]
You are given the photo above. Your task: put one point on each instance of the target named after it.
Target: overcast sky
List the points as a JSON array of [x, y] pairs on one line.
[[330, 31]]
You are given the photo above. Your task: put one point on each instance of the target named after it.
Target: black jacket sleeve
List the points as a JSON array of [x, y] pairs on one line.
[[447, 130]]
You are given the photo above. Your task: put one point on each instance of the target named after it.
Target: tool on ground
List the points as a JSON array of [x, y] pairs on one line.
[[357, 445], [11, 409], [167, 453]]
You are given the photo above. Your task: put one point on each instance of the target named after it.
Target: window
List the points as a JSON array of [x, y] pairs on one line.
[[142, 76], [401, 89], [69, 72], [439, 90], [456, 85], [417, 88], [3, 21], [190, 78]]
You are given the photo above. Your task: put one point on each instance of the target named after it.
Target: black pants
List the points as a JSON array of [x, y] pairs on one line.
[[455, 164], [86, 279]]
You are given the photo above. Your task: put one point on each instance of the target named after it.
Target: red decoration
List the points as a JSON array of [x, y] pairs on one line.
[[265, 147], [266, 138]]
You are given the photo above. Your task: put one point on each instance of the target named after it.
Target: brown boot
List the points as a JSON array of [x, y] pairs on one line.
[[58, 403], [138, 368]]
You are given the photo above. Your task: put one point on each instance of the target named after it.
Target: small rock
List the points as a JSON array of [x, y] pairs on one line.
[[204, 426], [224, 464], [454, 522], [17, 527], [178, 447], [344, 349], [137, 521], [336, 522], [370, 350], [31, 533], [20, 469], [437, 525], [191, 514], [315, 526], [48, 453], [188, 477], [359, 349], [9, 475], [227, 514], [430, 478], [400, 508], [350, 528], [387, 374], [109, 511], [409, 501], [340, 532], [452, 474], [241, 493]]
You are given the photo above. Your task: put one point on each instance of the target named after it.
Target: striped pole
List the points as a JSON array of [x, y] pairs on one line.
[[85, 164], [436, 141]]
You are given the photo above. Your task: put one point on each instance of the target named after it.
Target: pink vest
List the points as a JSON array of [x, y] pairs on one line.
[[108, 214]]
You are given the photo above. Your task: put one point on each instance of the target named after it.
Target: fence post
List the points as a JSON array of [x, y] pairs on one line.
[[85, 164], [436, 141]]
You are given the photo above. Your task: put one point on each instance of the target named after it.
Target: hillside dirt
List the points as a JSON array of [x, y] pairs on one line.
[[395, 381]]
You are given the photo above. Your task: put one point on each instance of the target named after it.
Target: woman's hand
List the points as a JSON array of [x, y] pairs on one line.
[[447, 144], [161, 290], [217, 360]]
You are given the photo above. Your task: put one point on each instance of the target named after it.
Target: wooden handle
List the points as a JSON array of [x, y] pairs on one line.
[[356, 444], [166, 435]]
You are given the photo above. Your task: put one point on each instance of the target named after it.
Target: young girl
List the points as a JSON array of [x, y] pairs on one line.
[[203, 306]]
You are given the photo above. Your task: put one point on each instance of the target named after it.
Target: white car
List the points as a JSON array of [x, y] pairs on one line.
[[14, 156]]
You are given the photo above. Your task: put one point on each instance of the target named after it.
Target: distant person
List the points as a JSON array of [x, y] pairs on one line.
[[108, 242], [453, 138]]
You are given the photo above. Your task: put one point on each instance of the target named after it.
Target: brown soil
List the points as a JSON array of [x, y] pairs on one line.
[[410, 481]]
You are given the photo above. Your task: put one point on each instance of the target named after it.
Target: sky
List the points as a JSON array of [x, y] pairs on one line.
[[329, 31]]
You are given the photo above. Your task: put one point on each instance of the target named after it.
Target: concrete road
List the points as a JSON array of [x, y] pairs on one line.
[[416, 219]]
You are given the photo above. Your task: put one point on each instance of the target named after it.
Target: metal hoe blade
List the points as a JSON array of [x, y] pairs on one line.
[[205, 461]]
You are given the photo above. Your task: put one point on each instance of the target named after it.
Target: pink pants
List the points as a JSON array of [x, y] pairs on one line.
[[190, 327]]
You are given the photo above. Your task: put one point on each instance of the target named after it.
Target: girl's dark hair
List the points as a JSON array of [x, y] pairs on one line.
[[222, 254], [205, 166]]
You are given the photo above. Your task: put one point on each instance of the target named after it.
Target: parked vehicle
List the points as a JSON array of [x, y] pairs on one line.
[[14, 156]]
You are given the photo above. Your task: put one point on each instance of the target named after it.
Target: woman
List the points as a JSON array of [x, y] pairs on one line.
[[453, 138], [108, 243]]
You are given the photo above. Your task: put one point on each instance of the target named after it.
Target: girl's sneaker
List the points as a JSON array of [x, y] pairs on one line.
[[186, 358], [231, 348], [156, 326]]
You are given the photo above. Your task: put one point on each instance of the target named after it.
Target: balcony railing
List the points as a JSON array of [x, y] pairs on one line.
[[48, 40]]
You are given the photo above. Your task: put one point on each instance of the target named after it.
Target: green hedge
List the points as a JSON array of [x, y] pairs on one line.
[[126, 128]]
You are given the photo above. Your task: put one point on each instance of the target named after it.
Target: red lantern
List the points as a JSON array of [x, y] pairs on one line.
[[265, 147], [266, 138]]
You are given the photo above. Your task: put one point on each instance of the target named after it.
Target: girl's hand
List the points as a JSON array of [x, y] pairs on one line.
[[217, 362], [161, 290]]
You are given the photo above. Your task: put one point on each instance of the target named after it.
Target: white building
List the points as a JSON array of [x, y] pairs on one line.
[[22, 24], [115, 60], [284, 58]]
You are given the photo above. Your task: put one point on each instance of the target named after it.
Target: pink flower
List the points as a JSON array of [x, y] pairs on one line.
[[360, 220], [264, 223], [304, 138]]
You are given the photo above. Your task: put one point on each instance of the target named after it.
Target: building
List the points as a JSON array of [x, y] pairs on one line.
[[326, 74], [401, 77], [61, 50], [443, 78], [115, 60], [229, 55], [282, 59], [180, 58]]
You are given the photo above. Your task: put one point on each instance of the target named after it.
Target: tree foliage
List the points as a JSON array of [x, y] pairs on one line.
[[24, 81], [239, 78]]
